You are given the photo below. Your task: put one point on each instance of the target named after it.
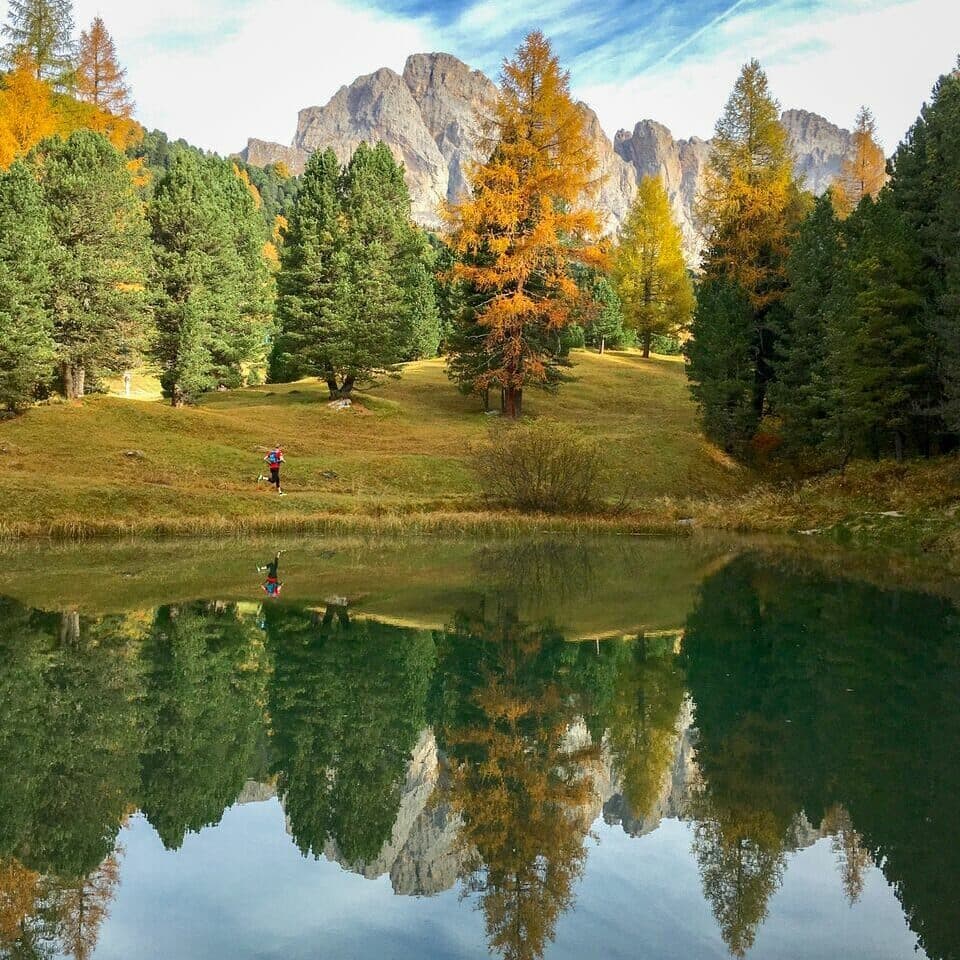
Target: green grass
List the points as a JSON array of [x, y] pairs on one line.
[[402, 451]]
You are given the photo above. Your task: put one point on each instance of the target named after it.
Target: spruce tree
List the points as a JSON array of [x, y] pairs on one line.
[[925, 187], [212, 283], [749, 210], [356, 295], [43, 31], [800, 394], [649, 269], [98, 305], [878, 355], [26, 258], [722, 362]]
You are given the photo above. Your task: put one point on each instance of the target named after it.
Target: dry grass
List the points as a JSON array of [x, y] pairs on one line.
[[402, 456]]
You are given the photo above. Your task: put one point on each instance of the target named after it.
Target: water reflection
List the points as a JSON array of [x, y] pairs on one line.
[[789, 708]]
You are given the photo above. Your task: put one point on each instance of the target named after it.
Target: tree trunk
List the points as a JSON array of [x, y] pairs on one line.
[[898, 445], [74, 378], [511, 402], [486, 400], [603, 345], [70, 627], [347, 386], [647, 341]]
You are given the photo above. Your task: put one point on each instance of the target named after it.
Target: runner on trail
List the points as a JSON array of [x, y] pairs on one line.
[[273, 460], [273, 584]]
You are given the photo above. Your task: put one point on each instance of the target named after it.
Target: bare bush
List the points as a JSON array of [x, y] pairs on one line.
[[543, 466]]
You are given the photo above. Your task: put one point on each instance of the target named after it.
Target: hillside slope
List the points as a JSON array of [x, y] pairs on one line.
[[403, 448]]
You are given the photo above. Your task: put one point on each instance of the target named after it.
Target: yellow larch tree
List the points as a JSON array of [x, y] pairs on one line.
[[649, 271], [27, 112], [528, 220], [751, 200], [864, 171]]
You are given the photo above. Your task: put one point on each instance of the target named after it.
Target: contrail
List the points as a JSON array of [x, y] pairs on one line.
[[683, 44]]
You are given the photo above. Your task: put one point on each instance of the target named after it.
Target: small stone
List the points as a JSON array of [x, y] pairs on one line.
[[135, 454]]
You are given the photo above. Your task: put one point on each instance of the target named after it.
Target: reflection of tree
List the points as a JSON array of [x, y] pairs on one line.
[[81, 907], [206, 680], [518, 781], [642, 720], [741, 865], [347, 705], [20, 894], [840, 701], [853, 859], [69, 727]]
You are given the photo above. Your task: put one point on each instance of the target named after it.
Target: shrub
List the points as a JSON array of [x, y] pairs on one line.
[[541, 465]]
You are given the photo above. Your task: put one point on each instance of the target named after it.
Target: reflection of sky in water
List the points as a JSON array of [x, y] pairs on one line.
[[242, 890]]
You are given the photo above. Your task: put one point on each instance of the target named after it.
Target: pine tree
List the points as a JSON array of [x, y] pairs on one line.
[[42, 30], [649, 269], [26, 343], [212, 282], [601, 312], [526, 222], [926, 188], [800, 394], [722, 362], [876, 342], [99, 307], [864, 172], [749, 210], [356, 295], [100, 78]]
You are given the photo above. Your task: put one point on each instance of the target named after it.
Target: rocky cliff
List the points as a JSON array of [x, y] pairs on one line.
[[430, 117]]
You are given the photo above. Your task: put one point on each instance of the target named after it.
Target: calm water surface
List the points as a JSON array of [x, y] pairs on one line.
[[629, 749]]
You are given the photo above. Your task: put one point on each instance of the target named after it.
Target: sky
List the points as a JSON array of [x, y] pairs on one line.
[[219, 71]]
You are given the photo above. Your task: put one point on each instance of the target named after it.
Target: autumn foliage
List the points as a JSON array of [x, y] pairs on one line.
[[528, 220], [864, 171]]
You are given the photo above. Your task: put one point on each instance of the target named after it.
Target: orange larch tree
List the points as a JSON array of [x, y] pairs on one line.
[[528, 220], [864, 171], [100, 79]]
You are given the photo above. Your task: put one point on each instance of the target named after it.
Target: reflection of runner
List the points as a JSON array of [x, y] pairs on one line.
[[273, 584]]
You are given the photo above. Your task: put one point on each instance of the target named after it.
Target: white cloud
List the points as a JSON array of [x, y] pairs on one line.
[[218, 71], [215, 74], [829, 60]]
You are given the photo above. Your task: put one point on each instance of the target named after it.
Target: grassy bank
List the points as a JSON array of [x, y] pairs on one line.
[[400, 456]]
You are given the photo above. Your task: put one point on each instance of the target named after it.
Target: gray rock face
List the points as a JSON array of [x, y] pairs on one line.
[[262, 153], [818, 146], [431, 119], [652, 152], [453, 100], [380, 107]]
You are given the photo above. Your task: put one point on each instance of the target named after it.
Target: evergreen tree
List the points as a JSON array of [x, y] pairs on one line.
[[649, 269], [213, 284], [100, 79], [749, 209], [26, 343], [603, 320], [876, 342], [98, 305], [925, 187], [801, 394], [42, 30], [722, 367], [356, 295]]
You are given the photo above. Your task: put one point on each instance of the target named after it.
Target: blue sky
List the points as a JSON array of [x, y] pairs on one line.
[[218, 71]]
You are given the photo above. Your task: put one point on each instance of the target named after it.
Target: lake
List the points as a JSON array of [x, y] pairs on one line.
[[668, 749]]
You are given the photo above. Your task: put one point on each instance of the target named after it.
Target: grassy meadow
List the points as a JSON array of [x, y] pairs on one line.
[[112, 464]]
